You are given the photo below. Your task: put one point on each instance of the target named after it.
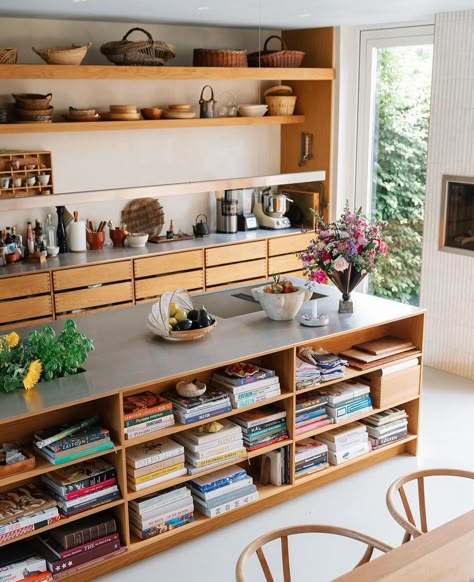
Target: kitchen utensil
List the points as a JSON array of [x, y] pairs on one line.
[[252, 110], [96, 240], [207, 107], [264, 219], [118, 236], [109, 116], [123, 108], [151, 112], [144, 215], [179, 107], [201, 228], [136, 239]]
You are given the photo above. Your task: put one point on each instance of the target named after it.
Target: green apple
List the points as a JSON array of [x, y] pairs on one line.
[[180, 315]]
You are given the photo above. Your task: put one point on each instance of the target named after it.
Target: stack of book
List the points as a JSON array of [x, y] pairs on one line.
[[310, 455], [330, 365], [247, 387], [275, 467], [25, 509], [21, 561], [75, 546], [346, 399], [194, 409], [307, 374], [223, 490], [69, 442], [346, 442], [154, 462], [146, 412], [83, 486], [262, 426], [161, 512], [205, 448], [387, 427], [311, 412]]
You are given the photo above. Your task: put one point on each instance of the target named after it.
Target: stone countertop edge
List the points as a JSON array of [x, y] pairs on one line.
[[126, 354]]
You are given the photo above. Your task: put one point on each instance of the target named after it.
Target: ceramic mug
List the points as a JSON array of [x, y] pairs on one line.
[[5, 182], [17, 182], [43, 179], [30, 181]]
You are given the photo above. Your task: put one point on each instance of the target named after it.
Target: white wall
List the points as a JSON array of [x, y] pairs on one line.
[[105, 160], [447, 288]]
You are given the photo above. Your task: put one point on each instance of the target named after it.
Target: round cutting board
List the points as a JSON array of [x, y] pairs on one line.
[[144, 215]]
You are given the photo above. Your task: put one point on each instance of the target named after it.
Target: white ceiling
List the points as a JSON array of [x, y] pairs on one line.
[[280, 14]]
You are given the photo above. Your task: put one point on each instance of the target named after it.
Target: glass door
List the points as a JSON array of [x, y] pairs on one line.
[[392, 145]]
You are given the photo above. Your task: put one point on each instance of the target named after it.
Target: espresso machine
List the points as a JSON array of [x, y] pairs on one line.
[[226, 212], [270, 209]]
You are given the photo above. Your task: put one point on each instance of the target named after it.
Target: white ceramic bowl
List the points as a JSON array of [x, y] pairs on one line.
[[281, 306], [52, 251], [137, 239], [252, 110]]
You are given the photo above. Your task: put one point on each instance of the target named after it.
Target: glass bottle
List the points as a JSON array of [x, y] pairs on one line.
[[30, 239], [61, 229], [50, 229], [170, 231], [38, 234]]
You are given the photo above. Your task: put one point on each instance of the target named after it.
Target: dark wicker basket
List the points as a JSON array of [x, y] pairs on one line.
[[219, 58], [280, 58], [143, 53]]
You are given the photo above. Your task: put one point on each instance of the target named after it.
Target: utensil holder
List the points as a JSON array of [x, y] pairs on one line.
[[96, 240], [118, 236]]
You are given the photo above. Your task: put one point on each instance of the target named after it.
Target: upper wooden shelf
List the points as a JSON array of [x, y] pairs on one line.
[[99, 72], [61, 127]]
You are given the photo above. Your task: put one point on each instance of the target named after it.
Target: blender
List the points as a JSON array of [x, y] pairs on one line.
[[270, 209]]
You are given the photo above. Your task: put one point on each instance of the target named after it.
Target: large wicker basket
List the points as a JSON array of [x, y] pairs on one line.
[[69, 55], [142, 53], [219, 58], [8, 56], [276, 58]]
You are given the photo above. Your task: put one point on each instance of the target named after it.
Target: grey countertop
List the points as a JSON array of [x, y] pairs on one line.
[[110, 253], [127, 354]]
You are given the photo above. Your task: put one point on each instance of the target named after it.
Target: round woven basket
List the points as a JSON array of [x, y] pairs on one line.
[[144, 215], [276, 58], [141, 53], [8, 56], [280, 105], [69, 55], [219, 58]]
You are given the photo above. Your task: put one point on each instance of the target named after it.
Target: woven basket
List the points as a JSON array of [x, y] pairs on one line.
[[219, 58], [68, 55], [8, 56], [146, 52], [280, 105], [280, 58]]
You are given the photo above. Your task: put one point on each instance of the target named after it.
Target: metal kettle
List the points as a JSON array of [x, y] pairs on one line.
[[207, 107], [201, 228]]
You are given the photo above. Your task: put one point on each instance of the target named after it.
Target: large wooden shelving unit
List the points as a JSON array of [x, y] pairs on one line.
[[109, 409]]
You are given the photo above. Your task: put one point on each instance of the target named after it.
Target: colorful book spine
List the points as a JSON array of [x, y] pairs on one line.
[[147, 418], [135, 473], [236, 475], [90, 490], [241, 452], [164, 527], [38, 577], [215, 450], [54, 547], [376, 443], [81, 532], [149, 523], [147, 411], [81, 439], [311, 469], [20, 530], [222, 490], [204, 415], [309, 415], [159, 473], [96, 561], [313, 460], [227, 497], [157, 500], [267, 443], [165, 419], [43, 439], [303, 403], [16, 571], [262, 374], [254, 399], [225, 507], [150, 460], [84, 506], [152, 482], [152, 428], [338, 457], [78, 455], [264, 425]]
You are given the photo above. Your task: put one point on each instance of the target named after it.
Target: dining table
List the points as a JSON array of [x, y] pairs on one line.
[[445, 553]]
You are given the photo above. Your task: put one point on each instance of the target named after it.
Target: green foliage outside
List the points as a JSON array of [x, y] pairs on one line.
[[399, 166]]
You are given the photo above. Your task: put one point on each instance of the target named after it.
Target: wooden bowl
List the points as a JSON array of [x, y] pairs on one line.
[[179, 107], [73, 112], [123, 108], [32, 100], [151, 112]]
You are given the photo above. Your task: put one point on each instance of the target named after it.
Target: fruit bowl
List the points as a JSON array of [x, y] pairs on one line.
[[281, 306], [159, 318]]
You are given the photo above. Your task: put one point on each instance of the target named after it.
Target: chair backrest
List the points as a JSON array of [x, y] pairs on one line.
[[257, 547], [397, 488]]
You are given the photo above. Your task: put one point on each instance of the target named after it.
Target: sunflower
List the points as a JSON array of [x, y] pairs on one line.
[[13, 339], [33, 374]]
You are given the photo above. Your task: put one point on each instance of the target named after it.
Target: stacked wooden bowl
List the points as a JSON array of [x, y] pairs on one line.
[[121, 113], [33, 108]]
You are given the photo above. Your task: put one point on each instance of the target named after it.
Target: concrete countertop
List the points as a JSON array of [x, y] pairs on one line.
[[110, 253], [127, 354]]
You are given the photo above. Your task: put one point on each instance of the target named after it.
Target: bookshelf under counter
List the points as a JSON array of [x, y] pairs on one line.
[[147, 363]]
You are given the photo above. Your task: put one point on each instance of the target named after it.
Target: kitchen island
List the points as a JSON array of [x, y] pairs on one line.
[[129, 359]]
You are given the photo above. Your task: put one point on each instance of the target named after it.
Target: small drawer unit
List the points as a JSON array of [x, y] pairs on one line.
[[97, 287], [391, 389], [25, 299], [282, 251], [236, 263], [155, 275]]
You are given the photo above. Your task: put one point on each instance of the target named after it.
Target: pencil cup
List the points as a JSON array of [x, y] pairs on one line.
[[118, 235], [96, 240]]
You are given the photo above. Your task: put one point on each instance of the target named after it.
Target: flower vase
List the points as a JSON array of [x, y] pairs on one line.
[[346, 281]]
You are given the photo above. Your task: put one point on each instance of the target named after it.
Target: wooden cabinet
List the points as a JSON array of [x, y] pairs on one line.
[[155, 275], [25, 299], [81, 289], [237, 263], [282, 257], [404, 392]]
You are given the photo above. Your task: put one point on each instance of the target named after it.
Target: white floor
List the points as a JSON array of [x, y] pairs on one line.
[[356, 501]]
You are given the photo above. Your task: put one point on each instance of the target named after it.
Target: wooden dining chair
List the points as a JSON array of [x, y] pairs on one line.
[[283, 534], [408, 522]]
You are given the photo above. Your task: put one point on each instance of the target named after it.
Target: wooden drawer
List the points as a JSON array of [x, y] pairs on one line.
[[102, 296], [283, 264], [25, 309], [93, 275], [155, 286], [22, 286], [394, 388], [236, 253], [236, 273], [284, 245], [168, 263]]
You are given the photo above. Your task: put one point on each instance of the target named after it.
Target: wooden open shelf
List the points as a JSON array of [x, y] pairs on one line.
[[167, 73], [73, 127]]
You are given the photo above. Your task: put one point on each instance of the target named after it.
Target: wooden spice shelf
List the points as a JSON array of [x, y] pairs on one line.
[[167, 73]]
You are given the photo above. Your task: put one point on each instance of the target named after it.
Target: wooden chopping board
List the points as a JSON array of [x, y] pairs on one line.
[[384, 345]]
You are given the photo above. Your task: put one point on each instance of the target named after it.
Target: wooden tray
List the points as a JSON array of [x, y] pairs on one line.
[[26, 465], [95, 117], [163, 239]]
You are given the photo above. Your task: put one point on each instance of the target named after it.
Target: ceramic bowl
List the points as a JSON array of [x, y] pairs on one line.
[[190, 389], [252, 110], [52, 251], [137, 239], [281, 306], [151, 112]]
